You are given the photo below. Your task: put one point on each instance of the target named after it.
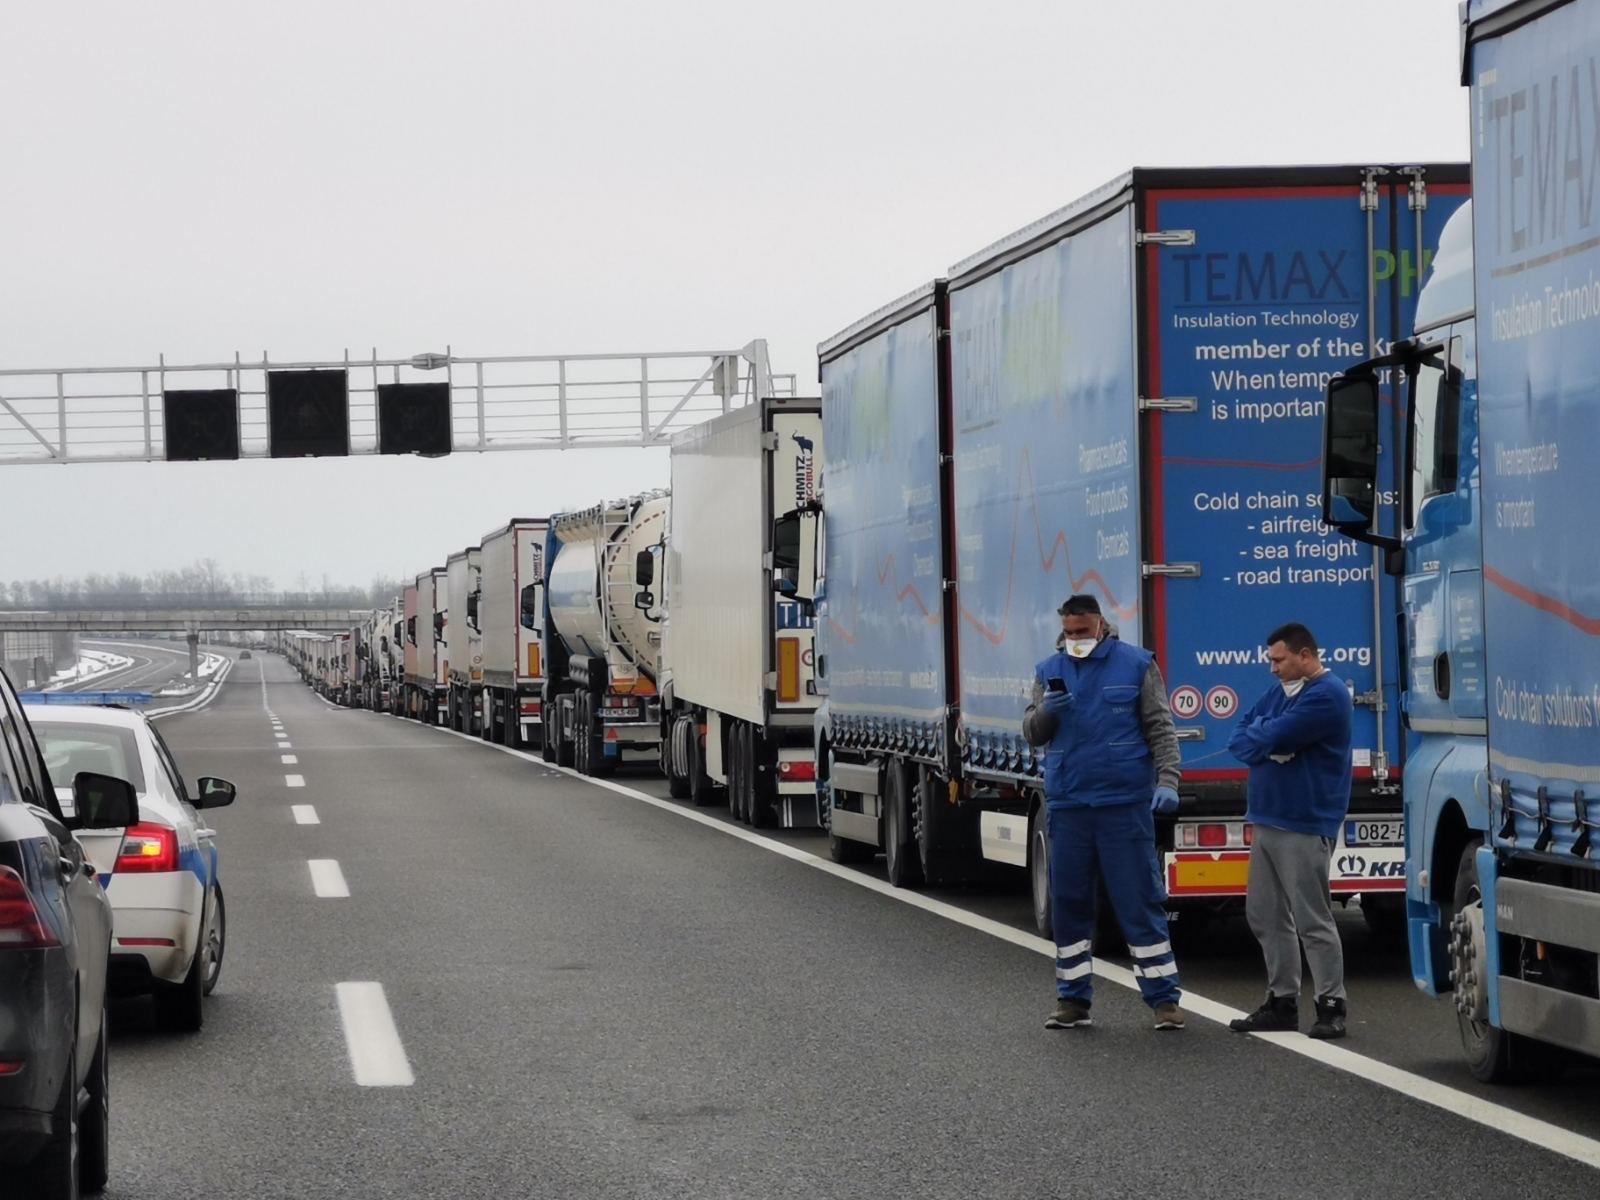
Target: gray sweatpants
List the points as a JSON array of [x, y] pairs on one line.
[[1287, 905]]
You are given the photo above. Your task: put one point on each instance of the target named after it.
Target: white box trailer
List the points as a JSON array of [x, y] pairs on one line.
[[511, 618], [738, 689], [464, 657], [427, 688]]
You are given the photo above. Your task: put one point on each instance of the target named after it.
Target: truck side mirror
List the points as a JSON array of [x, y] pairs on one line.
[[794, 554], [530, 606], [438, 627], [1350, 453], [472, 610], [644, 568]]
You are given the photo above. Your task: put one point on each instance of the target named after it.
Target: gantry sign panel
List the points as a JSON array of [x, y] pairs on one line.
[[270, 408]]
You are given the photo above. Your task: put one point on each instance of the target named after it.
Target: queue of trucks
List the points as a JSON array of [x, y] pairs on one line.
[[832, 617]]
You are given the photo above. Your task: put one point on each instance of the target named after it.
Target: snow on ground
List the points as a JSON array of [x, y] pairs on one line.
[[90, 663]]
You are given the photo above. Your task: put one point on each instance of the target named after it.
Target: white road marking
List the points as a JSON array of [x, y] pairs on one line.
[[327, 880], [285, 746], [289, 760], [377, 1056], [1544, 1134], [305, 814], [294, 781]]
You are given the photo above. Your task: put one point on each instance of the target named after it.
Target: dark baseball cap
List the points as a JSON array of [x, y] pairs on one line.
[[1080, 605]]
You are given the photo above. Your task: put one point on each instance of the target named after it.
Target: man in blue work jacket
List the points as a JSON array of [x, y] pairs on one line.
[[1296, 742], [1111, 761]]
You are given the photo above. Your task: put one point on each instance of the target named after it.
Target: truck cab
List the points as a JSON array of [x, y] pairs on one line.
[[1429, 522]]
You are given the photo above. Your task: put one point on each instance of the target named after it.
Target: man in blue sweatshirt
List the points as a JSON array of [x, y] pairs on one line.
[[1296, 742]]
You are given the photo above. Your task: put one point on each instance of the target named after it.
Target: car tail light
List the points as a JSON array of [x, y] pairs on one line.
[[145, 941], [797, 771], [148, 847], [21, 927], [788, 670], [11, 1067], [1213, 836]]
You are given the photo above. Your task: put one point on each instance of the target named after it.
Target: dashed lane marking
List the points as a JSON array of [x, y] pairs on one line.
[[377, 1056], [294, 781], [289, 760], [327, 880], [305, 814]]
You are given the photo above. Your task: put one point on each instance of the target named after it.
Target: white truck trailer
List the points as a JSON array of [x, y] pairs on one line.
[[737, 683], [464, 659], [603, 641], [427, 688], [511, 618]]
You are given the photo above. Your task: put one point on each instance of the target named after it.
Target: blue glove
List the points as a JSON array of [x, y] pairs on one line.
[[1056, 702], [1164, 801]]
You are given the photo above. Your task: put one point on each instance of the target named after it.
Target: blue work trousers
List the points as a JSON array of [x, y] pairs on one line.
[[1117, 843]]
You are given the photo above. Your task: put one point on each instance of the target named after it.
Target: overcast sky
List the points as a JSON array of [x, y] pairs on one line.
[[524, 177]]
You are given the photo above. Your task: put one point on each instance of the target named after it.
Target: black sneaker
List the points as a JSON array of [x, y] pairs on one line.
[[1330, 1020], [1068, 1014], [1277, 1014]]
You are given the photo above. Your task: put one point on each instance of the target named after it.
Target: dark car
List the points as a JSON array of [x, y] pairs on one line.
[[55, 943]]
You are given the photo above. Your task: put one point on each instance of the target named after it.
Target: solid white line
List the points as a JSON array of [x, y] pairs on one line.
[[294, 781], [1533, 1130], [377, 1057], [327, 880], [289, 760], [305, 814]]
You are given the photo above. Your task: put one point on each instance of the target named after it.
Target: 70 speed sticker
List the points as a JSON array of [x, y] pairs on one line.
[[1186, 702]]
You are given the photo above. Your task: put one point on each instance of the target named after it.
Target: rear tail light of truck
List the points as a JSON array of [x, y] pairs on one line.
[[148, 847], [788, 670], [1212, 835], [797, 771], [21, 925], [531, 708]]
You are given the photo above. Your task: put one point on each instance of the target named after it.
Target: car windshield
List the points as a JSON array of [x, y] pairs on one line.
[[104, 749]]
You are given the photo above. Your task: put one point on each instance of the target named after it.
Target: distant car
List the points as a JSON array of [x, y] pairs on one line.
[[171, 920], [244, 654], [55, 941]]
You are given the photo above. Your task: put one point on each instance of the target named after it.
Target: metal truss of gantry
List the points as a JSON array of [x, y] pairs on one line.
[[508, 402]]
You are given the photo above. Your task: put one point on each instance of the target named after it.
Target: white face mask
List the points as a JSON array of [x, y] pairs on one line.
[[1081, 647], [1292, 690]]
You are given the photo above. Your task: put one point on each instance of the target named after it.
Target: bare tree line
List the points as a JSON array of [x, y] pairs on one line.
[[201, 584]]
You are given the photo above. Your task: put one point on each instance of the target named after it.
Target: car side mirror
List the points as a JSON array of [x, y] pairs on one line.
[[215, 793], [102, 802]]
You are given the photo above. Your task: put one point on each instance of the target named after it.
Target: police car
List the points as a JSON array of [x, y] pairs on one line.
[[169, 920]]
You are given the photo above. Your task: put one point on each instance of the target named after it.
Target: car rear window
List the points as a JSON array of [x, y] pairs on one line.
[[104, 749]]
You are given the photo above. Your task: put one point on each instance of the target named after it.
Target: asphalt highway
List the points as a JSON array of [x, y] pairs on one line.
[[537, 986]]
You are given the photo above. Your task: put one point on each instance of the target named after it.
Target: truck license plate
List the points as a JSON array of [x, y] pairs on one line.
[[1374, 833]]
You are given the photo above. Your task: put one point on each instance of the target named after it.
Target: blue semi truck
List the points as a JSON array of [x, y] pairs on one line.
[[1491, 536], [1124, 398]]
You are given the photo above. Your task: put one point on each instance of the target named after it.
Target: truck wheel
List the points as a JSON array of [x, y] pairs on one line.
[[702, 788], [763, 780], [899, 856], [678, 735], [1385, 917], [734, 761], [567, 749], [1039, 869], [944, 835], [1492, 1054]]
